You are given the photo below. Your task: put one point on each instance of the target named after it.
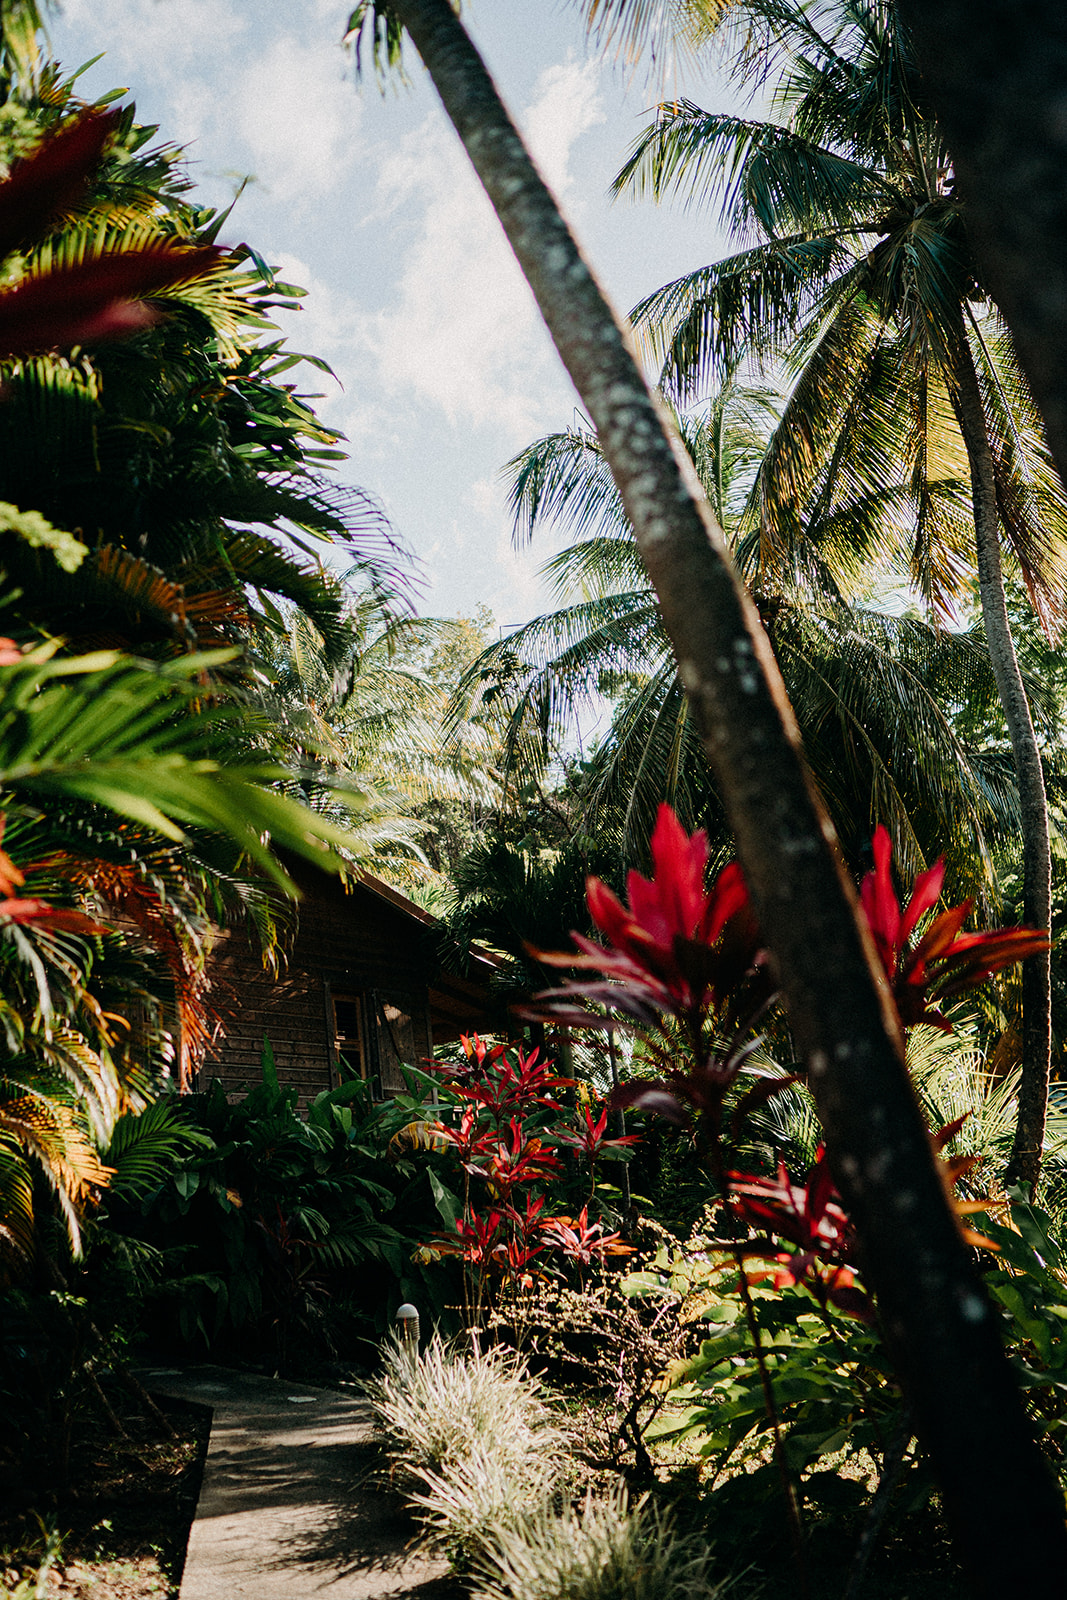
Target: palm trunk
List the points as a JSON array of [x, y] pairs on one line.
[[1000, 1498], [1024, 1165], [995, 74]]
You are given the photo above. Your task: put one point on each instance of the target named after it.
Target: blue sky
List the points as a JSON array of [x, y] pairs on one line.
[[366, 200]]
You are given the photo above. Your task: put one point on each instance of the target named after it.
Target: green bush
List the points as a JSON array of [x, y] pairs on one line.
[[285, 1237]]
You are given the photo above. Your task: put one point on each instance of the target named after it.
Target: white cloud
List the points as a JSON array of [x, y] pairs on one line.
[[463, 333], [414, 297], [518, 591], [568, 103], [161, 38], [276, 102], [331, 324], [298, 117]]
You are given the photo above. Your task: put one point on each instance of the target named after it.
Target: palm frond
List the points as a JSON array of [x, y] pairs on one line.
[[119, 732], [749, 305], [145, 1146], [663, 28], [767, 180]]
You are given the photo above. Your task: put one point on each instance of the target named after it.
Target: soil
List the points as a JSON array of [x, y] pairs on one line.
[[122, 1530]]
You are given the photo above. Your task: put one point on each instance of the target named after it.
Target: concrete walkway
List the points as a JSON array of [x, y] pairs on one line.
[[289, 1507]]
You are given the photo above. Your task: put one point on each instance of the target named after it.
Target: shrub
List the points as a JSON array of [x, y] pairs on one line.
[[473, 1437], [284, 1236], [604, 1551], [445, 1405], [618, 1340]]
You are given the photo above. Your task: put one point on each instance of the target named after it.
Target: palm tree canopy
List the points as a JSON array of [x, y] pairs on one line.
[[854, 277], [875, 694]]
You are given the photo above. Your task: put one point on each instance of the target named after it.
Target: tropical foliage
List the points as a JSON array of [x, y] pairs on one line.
[[279, 1231], [856, 273], [874, 691], [128, 777], [189, 686]]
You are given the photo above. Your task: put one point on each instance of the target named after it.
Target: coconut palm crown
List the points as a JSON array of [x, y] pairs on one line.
[[870, 689]]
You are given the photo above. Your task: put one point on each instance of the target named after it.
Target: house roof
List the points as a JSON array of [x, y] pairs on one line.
[[457, 1004]]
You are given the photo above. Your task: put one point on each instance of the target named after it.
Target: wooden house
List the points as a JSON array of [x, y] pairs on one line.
[[363, 988]]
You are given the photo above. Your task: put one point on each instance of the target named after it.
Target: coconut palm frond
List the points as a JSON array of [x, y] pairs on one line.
[[767, 179]]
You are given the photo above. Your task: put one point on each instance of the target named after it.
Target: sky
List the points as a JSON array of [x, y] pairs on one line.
[[365, 199]]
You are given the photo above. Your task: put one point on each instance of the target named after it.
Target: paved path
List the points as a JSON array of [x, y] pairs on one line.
[[289, 1508]]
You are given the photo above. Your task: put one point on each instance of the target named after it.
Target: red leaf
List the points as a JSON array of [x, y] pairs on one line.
[[52, 179], [97, 300], [944, 962]]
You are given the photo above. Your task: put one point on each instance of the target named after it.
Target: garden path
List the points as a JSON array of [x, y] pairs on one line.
[[288, 1508]]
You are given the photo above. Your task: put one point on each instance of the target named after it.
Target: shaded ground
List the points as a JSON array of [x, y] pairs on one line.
[[293, 1502], [120, 1532]]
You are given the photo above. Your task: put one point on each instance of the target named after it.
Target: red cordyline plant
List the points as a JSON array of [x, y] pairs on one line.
[[511, 1122], [683, 964], [591, 1140], [811, 1217], [943, 962], [582, 1241]]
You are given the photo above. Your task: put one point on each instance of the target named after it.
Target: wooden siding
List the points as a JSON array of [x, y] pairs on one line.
[[362, 940], [347, 942], [288, 1009]]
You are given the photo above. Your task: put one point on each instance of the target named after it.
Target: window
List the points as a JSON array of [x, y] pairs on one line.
[[395, 1041], [350, 1050], [372, 1035]]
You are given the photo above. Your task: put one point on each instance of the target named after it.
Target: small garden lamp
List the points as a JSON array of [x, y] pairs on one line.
[[407, 1322]]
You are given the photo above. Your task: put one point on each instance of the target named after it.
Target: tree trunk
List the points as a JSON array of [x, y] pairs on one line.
[[1024, 1165], [1000, 1497], [995, 72]]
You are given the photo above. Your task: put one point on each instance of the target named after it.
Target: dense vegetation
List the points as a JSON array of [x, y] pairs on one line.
[[211, 654]]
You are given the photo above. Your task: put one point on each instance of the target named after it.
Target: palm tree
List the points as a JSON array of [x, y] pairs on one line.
[[870, 690], [857, 275], [181, 470], [378, 720]]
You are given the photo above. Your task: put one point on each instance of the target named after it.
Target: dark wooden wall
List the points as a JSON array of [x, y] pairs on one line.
[[347, 942]]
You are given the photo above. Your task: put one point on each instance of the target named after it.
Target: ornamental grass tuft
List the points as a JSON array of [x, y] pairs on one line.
[[604, 1550], [472, 1437]]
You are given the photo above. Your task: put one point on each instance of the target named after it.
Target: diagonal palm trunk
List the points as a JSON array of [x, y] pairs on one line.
[[1025, 1163], [1001, 1501]]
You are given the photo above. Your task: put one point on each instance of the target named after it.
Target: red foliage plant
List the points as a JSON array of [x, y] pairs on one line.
[[679, 960], [944, 962], [685, 962], [94, 300], [511, 1122], [811, 1217]]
